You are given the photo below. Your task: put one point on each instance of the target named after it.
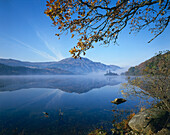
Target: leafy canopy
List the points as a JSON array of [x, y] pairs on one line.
[[102, 20]]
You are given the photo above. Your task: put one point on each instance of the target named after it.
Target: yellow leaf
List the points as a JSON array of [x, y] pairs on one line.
[[83, 15], [72, 36]]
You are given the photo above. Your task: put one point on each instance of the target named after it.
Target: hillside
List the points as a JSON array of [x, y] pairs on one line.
[[77, 66], [83, 65], [13, 62], [11, 70], [157, 65]]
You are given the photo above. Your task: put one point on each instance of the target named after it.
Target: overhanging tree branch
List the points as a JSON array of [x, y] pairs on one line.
[[102, 20]]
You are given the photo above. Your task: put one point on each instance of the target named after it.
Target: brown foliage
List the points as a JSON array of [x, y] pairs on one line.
[[102, 20], [155, 79]]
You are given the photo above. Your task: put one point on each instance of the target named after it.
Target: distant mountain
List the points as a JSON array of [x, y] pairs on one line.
[[82, 65], [159, 64], [12, 70], [13, 62], [77, 66]]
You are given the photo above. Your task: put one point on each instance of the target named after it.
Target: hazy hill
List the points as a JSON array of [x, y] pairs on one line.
[[159, 64], [13, 62], [83, 65], [77, 66], [12, 70]]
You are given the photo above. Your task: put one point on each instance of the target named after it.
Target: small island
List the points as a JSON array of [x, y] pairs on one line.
[[109, 73]]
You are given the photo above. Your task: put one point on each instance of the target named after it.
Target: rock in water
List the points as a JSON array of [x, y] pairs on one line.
[[45, 114], [150, 120], [118, 101]]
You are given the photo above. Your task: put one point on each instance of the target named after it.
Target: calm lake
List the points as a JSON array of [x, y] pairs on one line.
[[75, 105]]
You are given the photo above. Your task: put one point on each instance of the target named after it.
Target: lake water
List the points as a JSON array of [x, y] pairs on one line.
[[75, 104]]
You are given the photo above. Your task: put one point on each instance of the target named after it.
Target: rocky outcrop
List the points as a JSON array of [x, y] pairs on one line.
[[149, 121]]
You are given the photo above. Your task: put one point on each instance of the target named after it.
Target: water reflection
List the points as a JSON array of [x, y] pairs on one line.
[[77, 84], [24, 99]]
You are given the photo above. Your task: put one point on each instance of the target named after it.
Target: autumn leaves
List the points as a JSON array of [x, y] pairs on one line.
[[101, 21]]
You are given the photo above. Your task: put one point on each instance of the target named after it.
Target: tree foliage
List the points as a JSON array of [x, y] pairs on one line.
[[103, 20], [155, 79], [157, 65], [160, 64]]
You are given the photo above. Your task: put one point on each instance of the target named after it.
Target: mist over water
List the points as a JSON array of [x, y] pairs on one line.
[[69, 83], [76, 104], [122, 70], [101, 73]]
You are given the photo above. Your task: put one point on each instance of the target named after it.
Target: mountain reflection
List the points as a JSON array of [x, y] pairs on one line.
[[77, 84]]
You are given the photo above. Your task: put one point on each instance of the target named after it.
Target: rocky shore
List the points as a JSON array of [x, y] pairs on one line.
[[153, 121]]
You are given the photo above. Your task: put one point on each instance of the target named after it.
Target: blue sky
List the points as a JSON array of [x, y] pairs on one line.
[[27, 34]]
